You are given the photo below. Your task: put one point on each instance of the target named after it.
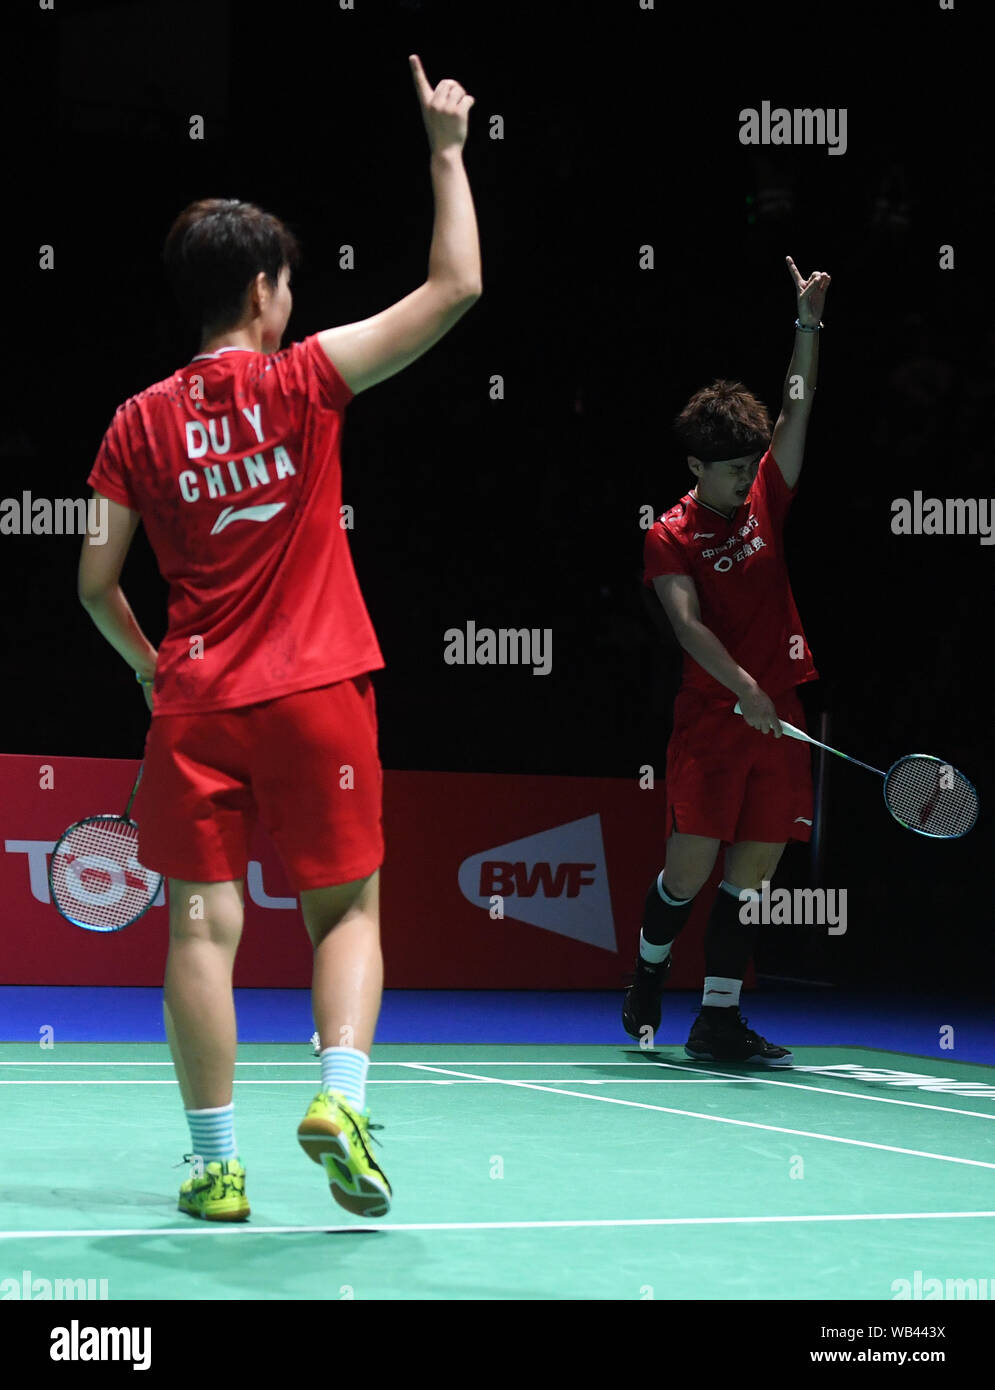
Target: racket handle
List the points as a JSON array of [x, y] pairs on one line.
[[797, 733], [134, 791], [786, 728]]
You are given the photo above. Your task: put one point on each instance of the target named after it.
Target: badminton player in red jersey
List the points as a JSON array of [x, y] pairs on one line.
[[716, 563], [260, 692]]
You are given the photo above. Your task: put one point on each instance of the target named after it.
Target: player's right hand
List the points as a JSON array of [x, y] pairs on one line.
[[759, 712], [445, 111]]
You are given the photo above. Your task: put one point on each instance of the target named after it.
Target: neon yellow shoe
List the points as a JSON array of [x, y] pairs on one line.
[[336, 1135], [217, 1193]]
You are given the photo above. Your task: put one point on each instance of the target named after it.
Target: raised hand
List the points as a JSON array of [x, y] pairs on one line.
[[811, 294], [445, 110]]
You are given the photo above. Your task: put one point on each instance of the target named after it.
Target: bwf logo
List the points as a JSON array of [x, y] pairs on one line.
[[556, 880], [525, 880], [798, 126]]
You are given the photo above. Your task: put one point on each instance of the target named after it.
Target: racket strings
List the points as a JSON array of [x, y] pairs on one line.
[[930, 796], [96, 878]]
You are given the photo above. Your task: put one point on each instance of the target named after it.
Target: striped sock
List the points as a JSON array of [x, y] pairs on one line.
[[212, 1133], [344, 1069]]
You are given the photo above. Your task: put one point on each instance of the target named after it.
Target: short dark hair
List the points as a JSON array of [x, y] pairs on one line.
[[215, 249], [723, 421]]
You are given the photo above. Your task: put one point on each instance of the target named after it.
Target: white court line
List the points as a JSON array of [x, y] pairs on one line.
[[124, 1066], [825, 1090], [714, 1076], [726, 1120], [729, 1076], [613, 1223], [314, 1062], [409, 1081], [673, 1066]]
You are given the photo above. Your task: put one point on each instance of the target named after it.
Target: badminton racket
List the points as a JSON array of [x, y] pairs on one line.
[[94, 875], [923, 793]]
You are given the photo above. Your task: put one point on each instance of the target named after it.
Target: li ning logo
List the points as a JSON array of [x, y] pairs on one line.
[[797, 126]]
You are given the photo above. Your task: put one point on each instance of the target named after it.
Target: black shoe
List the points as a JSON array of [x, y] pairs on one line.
[[641, 1006], [721, 1035]]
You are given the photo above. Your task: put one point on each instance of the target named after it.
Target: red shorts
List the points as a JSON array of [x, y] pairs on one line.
[[733, 783], [287, 762]]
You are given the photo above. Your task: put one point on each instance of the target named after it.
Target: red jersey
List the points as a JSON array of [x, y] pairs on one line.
[[741, 579], [234, 464]]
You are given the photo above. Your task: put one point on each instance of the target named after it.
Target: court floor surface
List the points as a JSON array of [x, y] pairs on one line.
[[520, 1171]]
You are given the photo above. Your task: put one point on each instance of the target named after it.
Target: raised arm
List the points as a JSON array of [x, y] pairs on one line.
[[788, 443], [373, 349]]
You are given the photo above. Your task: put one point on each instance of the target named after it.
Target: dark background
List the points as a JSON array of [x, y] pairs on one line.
[[621, 129]]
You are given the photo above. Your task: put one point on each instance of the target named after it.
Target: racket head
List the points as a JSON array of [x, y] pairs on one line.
[[930, 797], [94, 876]]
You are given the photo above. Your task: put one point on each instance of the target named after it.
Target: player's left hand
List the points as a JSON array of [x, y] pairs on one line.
[[147, 690], [445, 109], [811, 294]]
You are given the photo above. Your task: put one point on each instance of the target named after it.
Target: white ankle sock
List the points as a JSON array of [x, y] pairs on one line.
[[651, 954], [721, 993]]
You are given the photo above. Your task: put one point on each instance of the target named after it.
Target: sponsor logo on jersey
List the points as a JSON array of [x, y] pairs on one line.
[[263, 512]]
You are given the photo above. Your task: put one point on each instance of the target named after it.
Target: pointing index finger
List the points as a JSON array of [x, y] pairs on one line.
[[422, 85]]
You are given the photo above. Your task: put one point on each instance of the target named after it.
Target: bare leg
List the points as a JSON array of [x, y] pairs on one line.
[[690, 861], [205, 924], [174, 1047], [344, 926], [750, 862]]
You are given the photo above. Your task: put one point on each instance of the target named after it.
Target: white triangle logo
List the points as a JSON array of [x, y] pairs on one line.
[[556, 880]]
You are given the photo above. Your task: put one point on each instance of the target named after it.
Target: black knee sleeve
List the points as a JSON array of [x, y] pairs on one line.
[[729, 942], [661, 921]]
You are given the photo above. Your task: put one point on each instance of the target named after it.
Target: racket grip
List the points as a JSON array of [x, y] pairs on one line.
[[786, 728]]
